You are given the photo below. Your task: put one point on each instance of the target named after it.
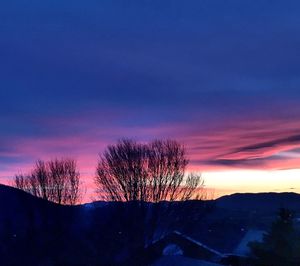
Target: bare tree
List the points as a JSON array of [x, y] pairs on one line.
[[56, 180], [154, 172], [149, 176], [121, 172], [167, 178]]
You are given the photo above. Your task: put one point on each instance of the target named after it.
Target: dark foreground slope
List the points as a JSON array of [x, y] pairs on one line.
[[37, 232]]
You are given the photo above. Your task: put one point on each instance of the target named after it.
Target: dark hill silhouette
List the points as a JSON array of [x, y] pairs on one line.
[[17, 207], [20, 208], [96, 231], [11, 197], [37, 232], [268, 202]]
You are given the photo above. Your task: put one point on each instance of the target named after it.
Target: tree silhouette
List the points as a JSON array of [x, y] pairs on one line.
[[154, 172], [56, 180], [281, 245], [150, 178]]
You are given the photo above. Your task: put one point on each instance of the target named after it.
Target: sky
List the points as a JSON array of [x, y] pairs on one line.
[[222, 77]]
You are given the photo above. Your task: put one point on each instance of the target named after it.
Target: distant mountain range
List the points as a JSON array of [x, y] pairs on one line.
[[15, 203], [249, 209], [268, 202]]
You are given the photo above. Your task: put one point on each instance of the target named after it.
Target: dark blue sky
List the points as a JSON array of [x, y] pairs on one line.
[[220, 76]]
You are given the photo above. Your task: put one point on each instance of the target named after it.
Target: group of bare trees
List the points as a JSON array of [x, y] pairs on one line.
[[153, 172], [56, 180], [149, 176], [127, 171]]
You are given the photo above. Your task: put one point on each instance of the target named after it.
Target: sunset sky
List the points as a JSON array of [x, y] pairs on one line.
[[222, 77]]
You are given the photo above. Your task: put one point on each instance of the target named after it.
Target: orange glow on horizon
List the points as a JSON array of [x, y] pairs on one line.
[[252, 181], [225, 182]]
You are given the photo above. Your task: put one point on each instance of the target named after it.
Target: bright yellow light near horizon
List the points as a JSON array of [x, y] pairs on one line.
[[228, 182]]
